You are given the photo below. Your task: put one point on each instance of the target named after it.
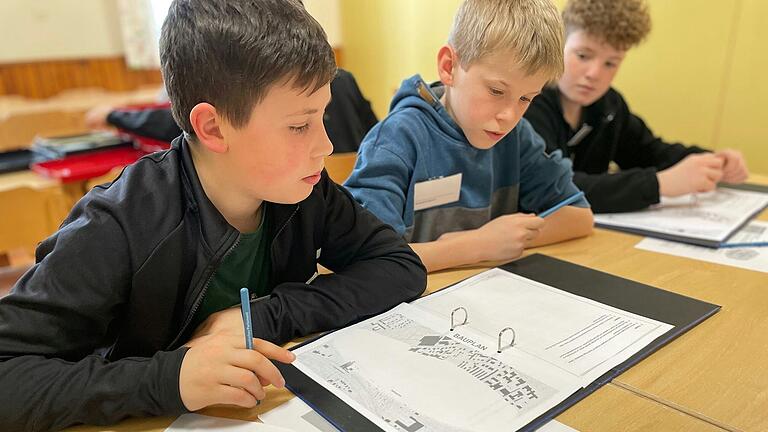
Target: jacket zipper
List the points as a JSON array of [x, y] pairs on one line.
[[199, 298]]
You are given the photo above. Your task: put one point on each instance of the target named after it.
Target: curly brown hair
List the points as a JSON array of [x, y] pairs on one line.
[[620, 23]]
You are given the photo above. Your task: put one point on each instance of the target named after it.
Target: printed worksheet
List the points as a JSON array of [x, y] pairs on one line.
[[201, 423], [299, 417], [750, 258], [579, 336], [405, 371], [711, 216]]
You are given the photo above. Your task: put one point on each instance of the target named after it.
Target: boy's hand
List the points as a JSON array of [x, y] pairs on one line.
[[735, 169], [505, 237], [96, 118], [695, 173], [218, 369], [228, 321]]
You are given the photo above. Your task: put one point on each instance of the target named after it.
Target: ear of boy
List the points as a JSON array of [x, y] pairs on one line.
[[447, 60], [208, 123]]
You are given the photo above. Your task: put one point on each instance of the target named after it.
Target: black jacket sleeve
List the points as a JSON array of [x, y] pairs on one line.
[[151, 123], [374, 270], [624, 191], [640, 155], [639, 147], [57, 325], [625, 139], [628, 190]]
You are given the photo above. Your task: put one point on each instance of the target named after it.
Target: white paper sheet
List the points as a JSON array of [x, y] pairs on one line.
[[298, 416], [201, 423], [750, 258], [580, 336], [710, 216], [555, 426], [404, 371]]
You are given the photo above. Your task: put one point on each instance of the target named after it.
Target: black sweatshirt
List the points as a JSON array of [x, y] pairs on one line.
[[616, 135], [93, 333]]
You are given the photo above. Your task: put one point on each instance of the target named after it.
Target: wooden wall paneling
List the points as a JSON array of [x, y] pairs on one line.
[[48, 78]]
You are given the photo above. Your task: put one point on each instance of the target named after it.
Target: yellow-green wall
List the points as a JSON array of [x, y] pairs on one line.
[[386, 41], [697, 79]]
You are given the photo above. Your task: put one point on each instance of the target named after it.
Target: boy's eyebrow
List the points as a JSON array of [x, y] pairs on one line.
[[500, 81], [504, 83], [304, 112], [308, 111]]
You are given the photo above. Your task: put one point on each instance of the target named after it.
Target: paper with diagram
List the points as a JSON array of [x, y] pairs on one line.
[[580, 336], [750, 258], [707, 219], [405, 370], [297, 416]]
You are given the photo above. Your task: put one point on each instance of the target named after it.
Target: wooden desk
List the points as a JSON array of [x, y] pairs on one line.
[[719, 370], [609, 409], [612, 409], [32, 209], [712, 378]]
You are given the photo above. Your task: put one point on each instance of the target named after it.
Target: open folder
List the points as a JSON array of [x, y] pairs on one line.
[[516, 345], [706, 219]]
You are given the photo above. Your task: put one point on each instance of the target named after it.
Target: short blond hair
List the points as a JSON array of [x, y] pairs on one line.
[[619, 23], [530, 30]]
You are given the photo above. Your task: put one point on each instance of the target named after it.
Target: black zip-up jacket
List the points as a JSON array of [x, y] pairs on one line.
[[610, 133], [93, 333]]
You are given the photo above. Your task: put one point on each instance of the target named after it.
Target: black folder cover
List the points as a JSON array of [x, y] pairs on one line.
[[695, 240], [680, 311], [18, 160]]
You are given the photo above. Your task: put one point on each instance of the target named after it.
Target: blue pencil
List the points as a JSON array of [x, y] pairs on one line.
[[245, 308], [570, 200], [744, 245]]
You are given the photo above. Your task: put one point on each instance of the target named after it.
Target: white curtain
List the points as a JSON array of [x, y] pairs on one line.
[[140, 22]]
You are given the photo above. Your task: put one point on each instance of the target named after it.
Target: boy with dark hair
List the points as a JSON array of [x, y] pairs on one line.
[[127, 311], [589, 121]]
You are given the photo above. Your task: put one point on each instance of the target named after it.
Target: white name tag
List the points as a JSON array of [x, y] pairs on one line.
[[433, 193]]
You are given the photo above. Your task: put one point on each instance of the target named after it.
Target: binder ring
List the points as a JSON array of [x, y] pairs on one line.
[[501, 333], [453, 313]]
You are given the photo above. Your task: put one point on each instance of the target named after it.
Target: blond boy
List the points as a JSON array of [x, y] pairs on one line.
[[453, 167]]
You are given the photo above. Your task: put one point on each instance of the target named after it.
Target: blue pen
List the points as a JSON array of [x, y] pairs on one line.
[[245, 308], [572, 199], [744, 245]]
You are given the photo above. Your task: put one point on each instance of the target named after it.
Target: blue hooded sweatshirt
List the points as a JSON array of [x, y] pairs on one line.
[[418, 141]]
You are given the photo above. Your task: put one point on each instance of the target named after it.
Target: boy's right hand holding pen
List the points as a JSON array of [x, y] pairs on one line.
[[501, 239], [506, 237], [219, 368]]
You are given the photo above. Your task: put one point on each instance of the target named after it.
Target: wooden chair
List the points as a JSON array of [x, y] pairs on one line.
[[339, 166], [106, 178], [29, 216]]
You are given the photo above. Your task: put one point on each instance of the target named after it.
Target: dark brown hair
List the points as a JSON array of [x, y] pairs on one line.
[[230, 52]]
